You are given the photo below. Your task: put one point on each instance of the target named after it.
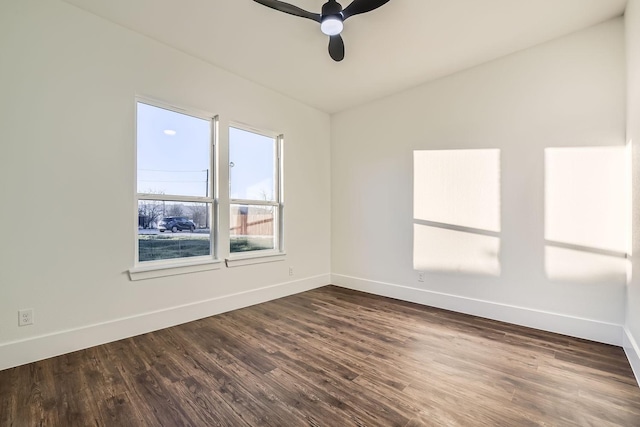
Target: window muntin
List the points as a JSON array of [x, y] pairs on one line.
[[255, 190], [175, 192]]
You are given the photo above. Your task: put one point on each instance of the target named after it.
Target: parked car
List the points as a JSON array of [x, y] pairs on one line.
[[176, 223]]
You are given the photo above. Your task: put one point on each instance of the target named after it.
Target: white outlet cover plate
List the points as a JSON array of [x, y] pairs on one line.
[[25, 317]]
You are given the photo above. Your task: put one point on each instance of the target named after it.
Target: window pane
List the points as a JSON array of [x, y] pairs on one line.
[[168, 230], [252, 228], [252, 160], [173, 152]]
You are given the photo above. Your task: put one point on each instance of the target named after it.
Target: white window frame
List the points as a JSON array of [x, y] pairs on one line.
[[159, 268], [278, 253]]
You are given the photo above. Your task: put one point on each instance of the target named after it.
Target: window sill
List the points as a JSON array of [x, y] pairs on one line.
[[255, 258], [162, 270]]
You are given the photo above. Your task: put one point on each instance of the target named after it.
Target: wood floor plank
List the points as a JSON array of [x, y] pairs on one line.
[[236, 391], [330, 357]]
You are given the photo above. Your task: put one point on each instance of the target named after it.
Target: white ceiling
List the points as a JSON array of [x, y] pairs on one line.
[[398, 46]]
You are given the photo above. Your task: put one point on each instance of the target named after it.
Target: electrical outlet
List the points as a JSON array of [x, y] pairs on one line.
[[25, 317], [420, 276], [290, 271]]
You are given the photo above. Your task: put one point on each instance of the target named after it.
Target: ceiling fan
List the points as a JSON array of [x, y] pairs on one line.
[[331, 19]]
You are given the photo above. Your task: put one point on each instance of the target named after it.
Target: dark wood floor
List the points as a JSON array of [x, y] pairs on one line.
[[329, 357]]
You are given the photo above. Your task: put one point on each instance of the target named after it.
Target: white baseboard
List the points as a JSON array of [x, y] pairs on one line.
[[593, 330], [632, 351], [29, 350]]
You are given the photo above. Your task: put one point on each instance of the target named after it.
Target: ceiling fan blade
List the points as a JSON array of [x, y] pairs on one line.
[[290, 9], [336, 48], [361, 6]]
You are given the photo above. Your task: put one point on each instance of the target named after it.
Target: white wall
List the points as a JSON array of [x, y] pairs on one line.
[[632, 25], [67, 85], [566, 93]]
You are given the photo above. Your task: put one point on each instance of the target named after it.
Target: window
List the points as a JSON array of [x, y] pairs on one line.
[[255, 189], [175, 191]]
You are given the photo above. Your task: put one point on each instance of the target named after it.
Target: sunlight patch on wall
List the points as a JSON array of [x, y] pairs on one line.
[[586, 213], [457, 211], [571, 265], [585, 197], [458, 187], [453, 251]]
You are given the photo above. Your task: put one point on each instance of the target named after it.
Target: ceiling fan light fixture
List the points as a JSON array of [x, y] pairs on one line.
[[332, 25], [331, 19]]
